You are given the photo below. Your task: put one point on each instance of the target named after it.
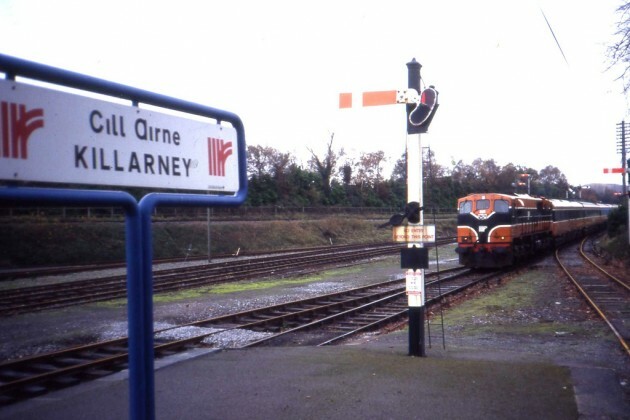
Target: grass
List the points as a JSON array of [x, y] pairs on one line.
[[264, 284], [240, 286], [58, 243], [502, 311]]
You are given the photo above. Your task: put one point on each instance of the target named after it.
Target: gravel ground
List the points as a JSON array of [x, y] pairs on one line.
[[28, 334]]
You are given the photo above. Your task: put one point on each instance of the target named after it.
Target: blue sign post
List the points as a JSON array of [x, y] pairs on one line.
[[105, 143]]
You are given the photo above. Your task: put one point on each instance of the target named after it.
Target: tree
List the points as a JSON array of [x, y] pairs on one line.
[[509, 176], [553, 182], [268, 171], [346, 170], [326, 166], [619, 51], [370, 168], [267, 160], [399, 172]]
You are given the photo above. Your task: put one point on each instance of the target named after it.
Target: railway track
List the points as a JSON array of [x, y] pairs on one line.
[[63, 294], [380, 311], [608, 295], [358, 308], [25, 273]]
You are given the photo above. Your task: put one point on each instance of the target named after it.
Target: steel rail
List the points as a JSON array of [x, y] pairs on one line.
[[602, 270], [592, 303]]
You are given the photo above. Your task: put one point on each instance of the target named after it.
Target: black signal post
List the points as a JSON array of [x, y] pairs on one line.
[[414, 194]]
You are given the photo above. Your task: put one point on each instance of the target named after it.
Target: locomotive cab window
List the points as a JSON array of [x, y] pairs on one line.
[[501, 206], [482, 204], [465, 207]]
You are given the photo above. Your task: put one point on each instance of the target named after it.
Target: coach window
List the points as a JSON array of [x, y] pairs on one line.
[[482, 204], [465, 207], [501, 206]]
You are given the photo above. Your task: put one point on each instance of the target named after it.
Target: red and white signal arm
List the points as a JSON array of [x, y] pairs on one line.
[[614, 170], [424, 109]]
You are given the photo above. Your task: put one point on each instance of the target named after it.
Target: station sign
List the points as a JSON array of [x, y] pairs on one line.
[[48, 135], [414, 233]]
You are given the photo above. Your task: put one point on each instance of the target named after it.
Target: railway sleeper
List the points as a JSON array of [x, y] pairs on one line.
[[263, 328], [101, 353], [264, 317], [372, 315], [64, 381], [280, 313], [269, 328], [69, 361], [335, 310], [610, 302], [293, 309], [222, 326], [331, 300], [11, 375], [41, 367], [96, 373], [115, 349], [310, 306], [346, 327], [248, 320]]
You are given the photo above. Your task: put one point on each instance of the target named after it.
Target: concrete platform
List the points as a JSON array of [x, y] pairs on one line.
[[376, 380]]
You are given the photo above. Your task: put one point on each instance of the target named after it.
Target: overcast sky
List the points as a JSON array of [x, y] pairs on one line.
[[506, 91]]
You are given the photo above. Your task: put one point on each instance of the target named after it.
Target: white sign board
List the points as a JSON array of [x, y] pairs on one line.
[[415, 287], [414, 233], [52, 136]]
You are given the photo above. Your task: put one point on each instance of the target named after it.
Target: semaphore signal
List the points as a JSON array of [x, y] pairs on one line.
[[419, 117], [420, 109]]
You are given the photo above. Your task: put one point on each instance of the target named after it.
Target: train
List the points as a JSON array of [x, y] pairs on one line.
[[497, 230]]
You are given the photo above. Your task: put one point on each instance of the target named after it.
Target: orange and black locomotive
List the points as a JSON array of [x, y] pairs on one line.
[[496, 230]]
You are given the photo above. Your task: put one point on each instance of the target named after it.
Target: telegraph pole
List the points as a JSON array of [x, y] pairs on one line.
[[625, 165]]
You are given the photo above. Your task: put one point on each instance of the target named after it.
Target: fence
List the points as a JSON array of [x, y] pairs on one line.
[[176, 213]]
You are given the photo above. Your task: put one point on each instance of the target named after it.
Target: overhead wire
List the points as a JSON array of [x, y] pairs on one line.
[[554, 36]]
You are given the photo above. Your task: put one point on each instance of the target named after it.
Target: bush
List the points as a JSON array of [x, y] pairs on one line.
[[617, 221]]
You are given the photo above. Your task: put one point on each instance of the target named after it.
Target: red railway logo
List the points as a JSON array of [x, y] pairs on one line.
[[218, 152], [17, 125]]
